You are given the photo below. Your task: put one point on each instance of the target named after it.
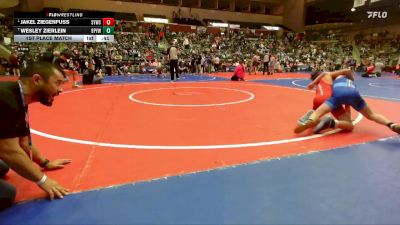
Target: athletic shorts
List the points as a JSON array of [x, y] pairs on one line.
[[336, 112], [346, 97]]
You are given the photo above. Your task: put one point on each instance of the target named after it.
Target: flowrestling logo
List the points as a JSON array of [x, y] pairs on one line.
[[377, 14]]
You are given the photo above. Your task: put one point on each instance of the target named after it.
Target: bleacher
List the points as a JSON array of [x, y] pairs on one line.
[[138, 44]]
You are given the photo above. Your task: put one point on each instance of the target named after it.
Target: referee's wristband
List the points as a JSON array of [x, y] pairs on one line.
[[42, 180], [44, 164]]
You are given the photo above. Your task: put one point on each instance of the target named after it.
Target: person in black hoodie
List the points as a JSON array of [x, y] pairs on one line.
[[92, 76]]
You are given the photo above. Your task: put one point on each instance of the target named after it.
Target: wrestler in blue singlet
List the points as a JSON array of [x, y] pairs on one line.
[[344, 92]]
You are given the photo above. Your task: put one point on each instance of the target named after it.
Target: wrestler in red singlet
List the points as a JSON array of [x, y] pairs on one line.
[[322, 93]]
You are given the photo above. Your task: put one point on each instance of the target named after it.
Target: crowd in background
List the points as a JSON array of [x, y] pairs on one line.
[[142, 48]]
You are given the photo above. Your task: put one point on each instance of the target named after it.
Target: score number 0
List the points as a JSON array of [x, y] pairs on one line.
[[108, 22]]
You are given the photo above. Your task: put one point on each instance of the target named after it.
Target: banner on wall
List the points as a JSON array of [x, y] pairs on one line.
[[201, 30], [358, 3]]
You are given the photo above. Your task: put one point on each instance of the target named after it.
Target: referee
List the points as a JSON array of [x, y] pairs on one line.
[[173, 61]]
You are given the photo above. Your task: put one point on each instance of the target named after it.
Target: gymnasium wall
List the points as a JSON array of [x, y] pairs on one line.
[[154, 9]]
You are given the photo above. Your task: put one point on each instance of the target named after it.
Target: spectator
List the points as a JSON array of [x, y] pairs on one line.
[[239, 72], [92, 76], [14, 64], [40, 82], [378, 68], [370, 71]]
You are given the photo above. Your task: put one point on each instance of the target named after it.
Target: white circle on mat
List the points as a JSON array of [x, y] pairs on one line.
[[251, 96], [183, 147]]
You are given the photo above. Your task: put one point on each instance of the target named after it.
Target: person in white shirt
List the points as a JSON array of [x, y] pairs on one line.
[[216, 63], [173, 61], [186, 43], [256, 62], [378, 68], [266, 62], [272, 61]]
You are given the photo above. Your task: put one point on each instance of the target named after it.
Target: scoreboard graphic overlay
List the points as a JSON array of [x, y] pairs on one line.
[[64, 27]]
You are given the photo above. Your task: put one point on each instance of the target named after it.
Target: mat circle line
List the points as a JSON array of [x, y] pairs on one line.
[[180, 147], [191, 105], [377, 85], [166, 78]]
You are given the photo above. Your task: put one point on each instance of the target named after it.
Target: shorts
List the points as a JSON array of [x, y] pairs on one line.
[[336, 112], [354, 100]]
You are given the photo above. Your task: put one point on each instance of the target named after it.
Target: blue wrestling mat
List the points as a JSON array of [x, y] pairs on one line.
[[379, 88]]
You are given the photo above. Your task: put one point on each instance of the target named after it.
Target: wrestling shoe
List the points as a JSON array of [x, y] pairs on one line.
[[302, 127], [305, 117], [325, 123], [395, 127]]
